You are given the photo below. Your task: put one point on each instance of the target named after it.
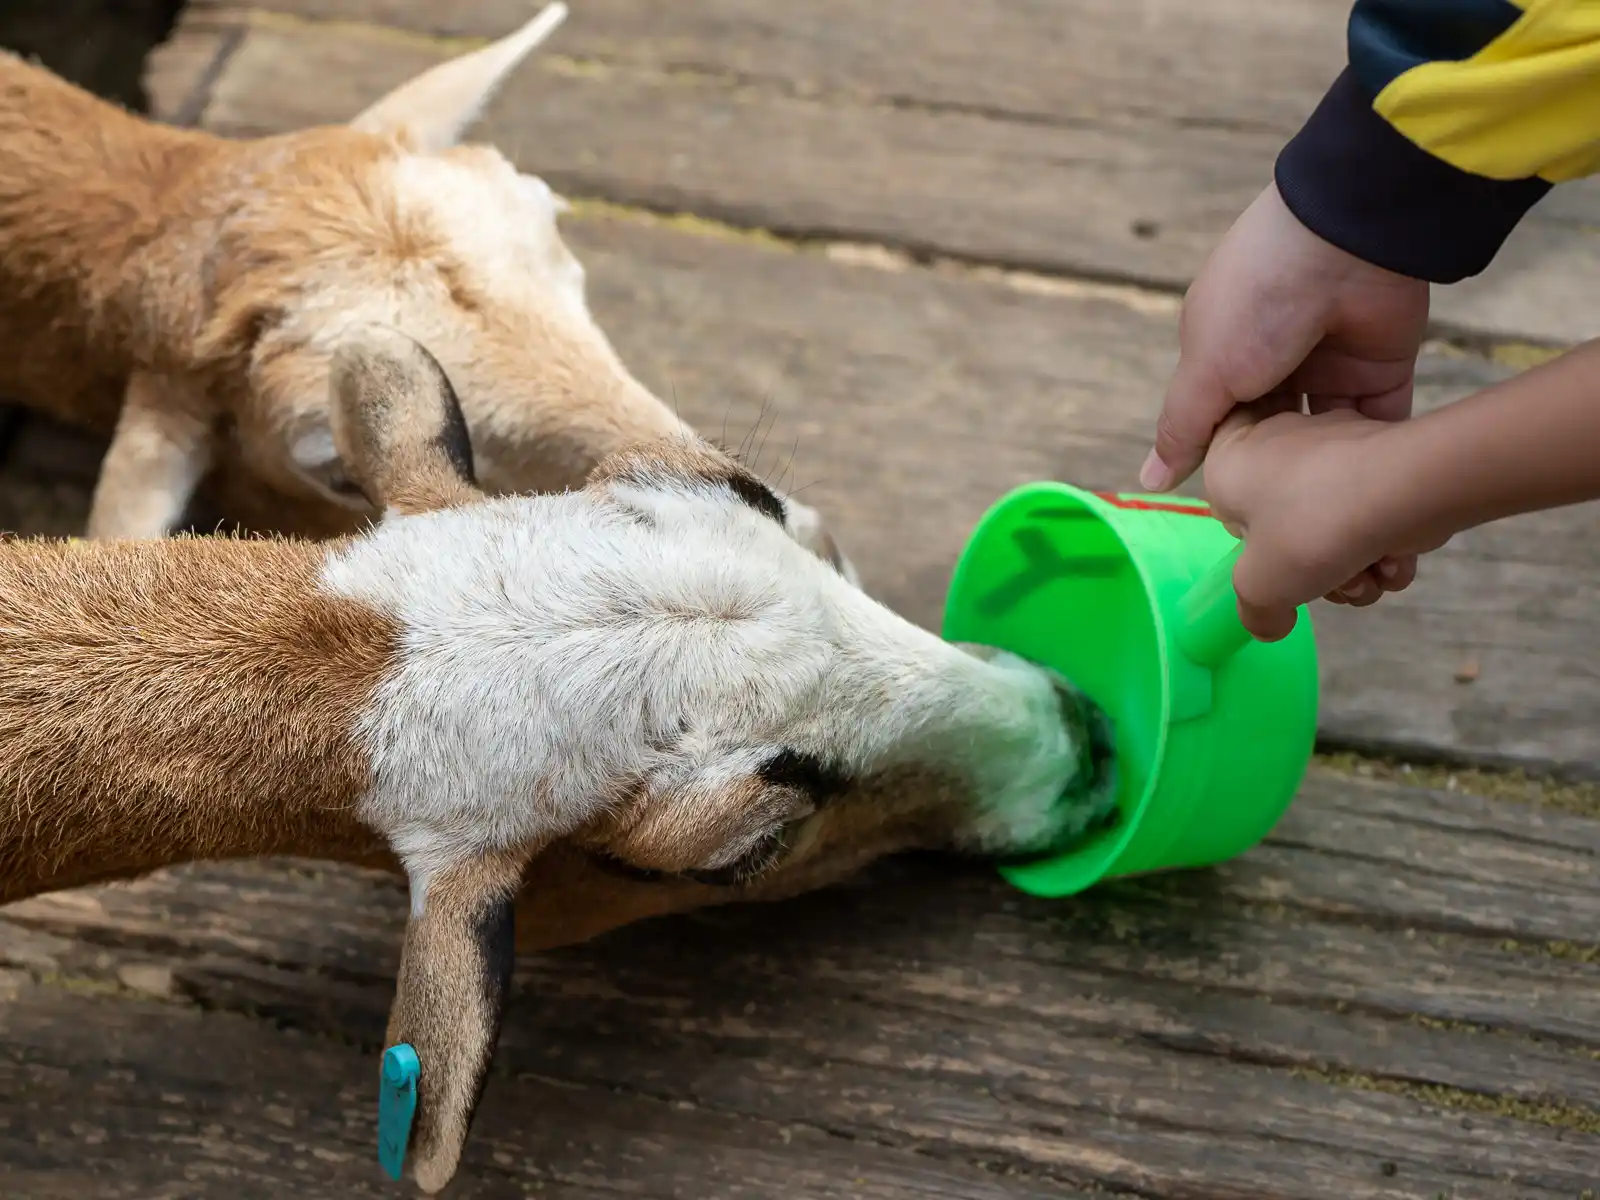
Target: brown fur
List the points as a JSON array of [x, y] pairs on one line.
[[134, 255], [182, 702], [197, 698], [570, 896], [259, 767], [84, 189]]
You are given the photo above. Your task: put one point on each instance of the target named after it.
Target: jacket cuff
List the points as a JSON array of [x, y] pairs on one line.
[[1356, 182]]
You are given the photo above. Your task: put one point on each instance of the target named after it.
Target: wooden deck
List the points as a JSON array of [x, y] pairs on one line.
[[938, 246]]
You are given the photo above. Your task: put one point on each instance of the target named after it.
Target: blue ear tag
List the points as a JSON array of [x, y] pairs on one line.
[[397, 1105]]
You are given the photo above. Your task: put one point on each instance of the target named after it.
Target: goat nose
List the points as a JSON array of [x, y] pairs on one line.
[[1094, 734]]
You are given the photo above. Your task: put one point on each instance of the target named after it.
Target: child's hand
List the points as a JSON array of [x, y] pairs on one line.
[[1312, 498], [1278, 311]]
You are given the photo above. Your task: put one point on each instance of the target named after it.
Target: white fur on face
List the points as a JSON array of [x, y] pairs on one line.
[[663, 635], [501, 224]]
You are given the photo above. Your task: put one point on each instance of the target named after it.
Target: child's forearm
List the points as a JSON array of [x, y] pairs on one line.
[[1530, 443]]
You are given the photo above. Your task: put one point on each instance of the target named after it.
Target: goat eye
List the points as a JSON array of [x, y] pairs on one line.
[[758, 860]]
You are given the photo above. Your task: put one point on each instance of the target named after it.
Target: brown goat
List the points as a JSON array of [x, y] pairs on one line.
[[182, 292], [639, 695]]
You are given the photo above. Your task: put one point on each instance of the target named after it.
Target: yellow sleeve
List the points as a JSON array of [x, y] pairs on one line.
[[1524, 104], [1452, 120]]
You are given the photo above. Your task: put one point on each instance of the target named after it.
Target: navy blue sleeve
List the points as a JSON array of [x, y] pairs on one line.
[[1354, 180]]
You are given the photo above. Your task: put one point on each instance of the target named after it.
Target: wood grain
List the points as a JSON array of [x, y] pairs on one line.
[[1065, 138], [1175, 1038], [116, 1097]]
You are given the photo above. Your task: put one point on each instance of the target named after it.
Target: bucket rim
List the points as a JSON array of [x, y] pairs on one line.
[[1044, 868]]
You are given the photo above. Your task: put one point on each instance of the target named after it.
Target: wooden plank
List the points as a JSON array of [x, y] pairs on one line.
[[670, 1057], [1533, 823], [1381, 866], [345, 926], [199, 1106], [1067, 140], [1080, 1003], [1134, 1039], [179, 78], [1352, 885], [1045, 1094], [1475, 837], [1187, 933], [1225, 62]]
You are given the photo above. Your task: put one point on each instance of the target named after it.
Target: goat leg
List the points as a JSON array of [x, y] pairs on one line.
[[161, 450]]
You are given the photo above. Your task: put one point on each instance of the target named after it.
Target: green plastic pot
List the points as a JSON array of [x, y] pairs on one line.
[[1131, 599]]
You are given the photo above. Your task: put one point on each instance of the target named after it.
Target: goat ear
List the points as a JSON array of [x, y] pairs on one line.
[[434, 109], [455, 972], [397, 425]]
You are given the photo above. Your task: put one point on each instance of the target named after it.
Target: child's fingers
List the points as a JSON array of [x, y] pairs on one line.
[[1391, 573], [1242, 416], [1367, 595], [1361, 591], [1268, 605], [1363, 588], [1350, 587], [1396, 572], [1372, 396], [1197, 401]]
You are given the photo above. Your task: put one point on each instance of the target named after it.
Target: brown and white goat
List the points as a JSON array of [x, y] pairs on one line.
[[649, 675], [182, 292]]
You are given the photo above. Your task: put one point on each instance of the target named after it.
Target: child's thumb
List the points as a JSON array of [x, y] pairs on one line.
[[1195, 404], [1266, 606]]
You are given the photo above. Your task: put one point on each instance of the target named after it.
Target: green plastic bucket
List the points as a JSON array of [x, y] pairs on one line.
[[1131, 599]]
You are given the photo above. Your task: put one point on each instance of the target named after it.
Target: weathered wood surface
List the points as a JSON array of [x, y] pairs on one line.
[[1282, 1028], [1090, 138], [115, 1097]]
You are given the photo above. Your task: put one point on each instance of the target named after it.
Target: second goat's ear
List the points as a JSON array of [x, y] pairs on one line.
[[455, 971], [397, 425], [433, 110]]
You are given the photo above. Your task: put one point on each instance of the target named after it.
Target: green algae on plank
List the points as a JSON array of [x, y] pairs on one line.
[[1577, 798], [1578, 1117]]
